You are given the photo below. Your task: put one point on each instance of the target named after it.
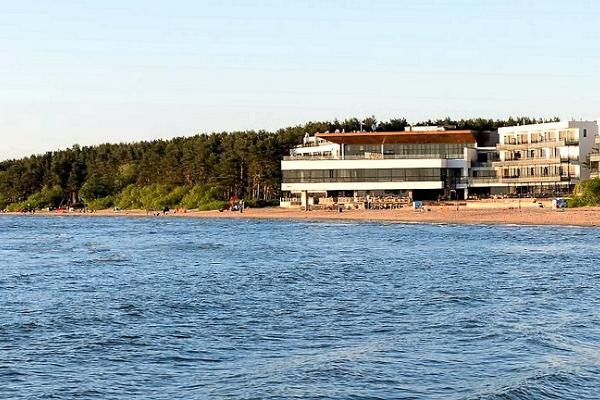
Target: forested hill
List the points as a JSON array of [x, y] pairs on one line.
[[200, 171]]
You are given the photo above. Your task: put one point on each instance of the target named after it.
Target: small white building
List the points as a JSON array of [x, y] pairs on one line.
[[314, 147]]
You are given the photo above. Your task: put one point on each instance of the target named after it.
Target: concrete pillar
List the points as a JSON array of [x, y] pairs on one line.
[[304, 199], [466, 196]]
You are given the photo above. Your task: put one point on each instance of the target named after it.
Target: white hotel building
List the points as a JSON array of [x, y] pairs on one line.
[[546, 158]]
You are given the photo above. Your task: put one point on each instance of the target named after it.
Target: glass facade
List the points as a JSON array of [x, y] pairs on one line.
[[361, 149], [412, 150], [368, 175]]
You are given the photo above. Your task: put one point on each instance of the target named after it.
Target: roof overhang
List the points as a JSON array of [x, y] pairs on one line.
[[462, 136]]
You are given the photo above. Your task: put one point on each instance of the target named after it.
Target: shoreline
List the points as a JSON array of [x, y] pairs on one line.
[[580, 217]]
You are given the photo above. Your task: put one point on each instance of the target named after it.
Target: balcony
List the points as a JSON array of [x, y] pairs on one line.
[[520, 179], [527, 161], [376, 156], [483, 180], [481, 165], [531, 179], [569, 160], [367, 178], [534, 145], [305, 157]]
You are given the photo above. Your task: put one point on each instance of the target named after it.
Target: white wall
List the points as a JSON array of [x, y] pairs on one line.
[[586, 144], [332, 148], [585, 147], [533, 127], [320, 187], [372, 164]]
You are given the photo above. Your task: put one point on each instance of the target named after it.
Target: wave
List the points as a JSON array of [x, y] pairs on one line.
[[550, 385]]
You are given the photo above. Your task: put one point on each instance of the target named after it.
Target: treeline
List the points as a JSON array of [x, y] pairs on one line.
[[200, 171]]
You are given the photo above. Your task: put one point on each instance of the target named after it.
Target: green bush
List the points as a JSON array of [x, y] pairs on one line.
[[16, 207], [153, 197], [200, 197], [128, 198], [172, 198], [261, 203], [586, 193], [157, 197], [47, 197], [573, 202], [212, 205], [95, 187], [101, 204]]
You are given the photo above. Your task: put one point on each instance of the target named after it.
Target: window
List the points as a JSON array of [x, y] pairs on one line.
[[363, 175], [585, 133]]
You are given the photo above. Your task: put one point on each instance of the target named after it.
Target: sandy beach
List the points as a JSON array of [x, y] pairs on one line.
[[440, 214]]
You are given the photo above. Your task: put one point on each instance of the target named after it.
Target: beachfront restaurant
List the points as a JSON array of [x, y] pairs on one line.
[[371, 166]]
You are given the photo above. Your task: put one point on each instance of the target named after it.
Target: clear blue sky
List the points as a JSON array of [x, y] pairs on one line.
[[95, 71]]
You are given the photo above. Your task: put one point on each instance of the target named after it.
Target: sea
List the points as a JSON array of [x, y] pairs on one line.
[[183, 308]]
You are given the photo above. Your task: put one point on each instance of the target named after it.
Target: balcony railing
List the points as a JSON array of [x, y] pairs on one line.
[[300, 157], [595, 157], [482, 165], [527, 161], [533, 179], [521, 179], [569, 160], [483, 180], [375, 156], [366, 178], [534, 145]]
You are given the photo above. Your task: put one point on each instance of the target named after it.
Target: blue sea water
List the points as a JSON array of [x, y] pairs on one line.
[[164, 308]]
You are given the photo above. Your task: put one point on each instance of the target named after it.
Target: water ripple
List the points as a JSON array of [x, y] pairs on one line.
[[183, 308]]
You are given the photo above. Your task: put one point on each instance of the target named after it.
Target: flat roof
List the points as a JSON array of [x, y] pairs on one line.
[[458, 136]]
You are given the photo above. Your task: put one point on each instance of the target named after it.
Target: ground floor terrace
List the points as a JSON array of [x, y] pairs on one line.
[[368, 199], [390, 199], [371, 181]]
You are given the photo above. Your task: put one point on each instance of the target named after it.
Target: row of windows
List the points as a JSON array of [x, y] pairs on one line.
[[537, 171], [368, 175], [531, 153], [538, 137], [417, 150]]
